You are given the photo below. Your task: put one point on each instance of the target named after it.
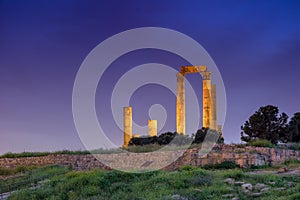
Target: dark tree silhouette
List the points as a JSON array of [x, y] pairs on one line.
[[294, 128], [266, 123], [162, 139], [201, 134], [166, 138], [174, 138]]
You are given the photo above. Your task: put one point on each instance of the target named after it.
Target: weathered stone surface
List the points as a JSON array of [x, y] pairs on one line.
[[247, 186], [227, 195], [256, 194], [127, 112], [152, 128], [180, 105], [259, 186], [178, 197], [282, 170], [246, 192], [290, 184], [239, 183], [214, 119], [229, 181], [207, 100], [244, 157], [265, 189]]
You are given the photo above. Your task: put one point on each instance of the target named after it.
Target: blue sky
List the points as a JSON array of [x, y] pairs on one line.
[[255, 44]]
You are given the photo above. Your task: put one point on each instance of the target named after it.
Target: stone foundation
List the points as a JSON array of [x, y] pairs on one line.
[[244, 157]]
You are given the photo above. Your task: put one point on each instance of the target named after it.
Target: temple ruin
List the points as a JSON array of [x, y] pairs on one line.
[[209, 99], [127, 116], [209, 106]]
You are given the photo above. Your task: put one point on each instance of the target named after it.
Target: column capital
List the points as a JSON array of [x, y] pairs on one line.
[[180, 77], [206, 75]]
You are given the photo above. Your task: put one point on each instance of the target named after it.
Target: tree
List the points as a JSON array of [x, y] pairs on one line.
[[143, 141], [294, 128], [166, 138], [201, 134], [162, 139], [266, 123]]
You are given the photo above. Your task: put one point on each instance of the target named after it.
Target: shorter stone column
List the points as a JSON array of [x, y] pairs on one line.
[[152, 128], [127, 114]]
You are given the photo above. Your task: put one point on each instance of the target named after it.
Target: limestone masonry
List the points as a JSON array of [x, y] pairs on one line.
[[209, 105], [127, 125], [243, 156], [209, 101], [152, 128]]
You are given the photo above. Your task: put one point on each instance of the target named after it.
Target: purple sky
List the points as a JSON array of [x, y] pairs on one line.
[[255, 44]]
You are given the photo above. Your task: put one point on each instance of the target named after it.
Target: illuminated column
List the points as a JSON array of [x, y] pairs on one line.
[[214, 107], [180, 105], [207, 100], [127, 114], [219, 129], [152, 128]]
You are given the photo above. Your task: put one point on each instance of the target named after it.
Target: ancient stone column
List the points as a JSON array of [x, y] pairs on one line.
[[127, 114], [136, 135], [180, 105], [219, 128], [152, 128], [214, 107], [207, 100]]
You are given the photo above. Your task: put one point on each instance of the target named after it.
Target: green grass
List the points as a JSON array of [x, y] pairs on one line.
[[190, 182], [38, 154], [67, 152], [137, 149], [24, 154], [295, 146], [23, 177], [261, 143], [18, 169], [292, 162], [155, 147], [223, 165]]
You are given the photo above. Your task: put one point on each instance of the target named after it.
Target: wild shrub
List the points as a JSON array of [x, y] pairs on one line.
[[223, 165], [5, 172], [233, 173], [201, 180], [291, 161], [186, 168], [261, 143], [295, 146]]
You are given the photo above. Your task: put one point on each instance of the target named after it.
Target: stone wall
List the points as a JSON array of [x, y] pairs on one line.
[[243, 156]]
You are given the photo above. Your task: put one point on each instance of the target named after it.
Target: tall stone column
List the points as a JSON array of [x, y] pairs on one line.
[[127, 114], [207, 100], [152, 128], [214, 107], [180, 105]]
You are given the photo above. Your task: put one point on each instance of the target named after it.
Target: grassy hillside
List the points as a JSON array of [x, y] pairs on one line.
[[186, 183]]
